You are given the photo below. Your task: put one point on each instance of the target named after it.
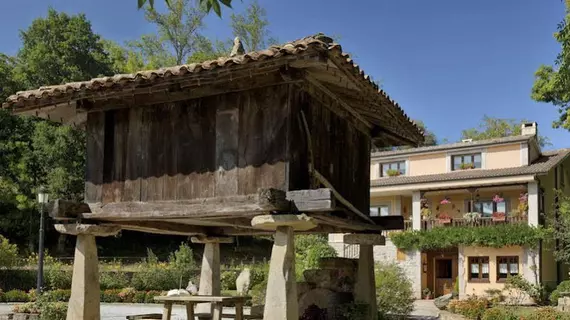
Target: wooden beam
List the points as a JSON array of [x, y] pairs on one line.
[[65, 210], [162, 227], [390, 222], [347, 224], [266, 200], [316, 200], [340, 101]]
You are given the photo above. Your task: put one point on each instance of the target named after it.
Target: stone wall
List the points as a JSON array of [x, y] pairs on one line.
[[410, 262]]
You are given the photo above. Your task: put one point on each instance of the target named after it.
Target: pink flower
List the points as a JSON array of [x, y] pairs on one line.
[[445, 201], [496, 198]]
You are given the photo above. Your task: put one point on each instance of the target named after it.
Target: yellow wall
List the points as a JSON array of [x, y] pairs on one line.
[[503, 156], [375, 171], [474, 288], [427, 164]]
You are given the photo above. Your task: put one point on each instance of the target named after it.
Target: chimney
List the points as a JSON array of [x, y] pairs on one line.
[[529, 129]]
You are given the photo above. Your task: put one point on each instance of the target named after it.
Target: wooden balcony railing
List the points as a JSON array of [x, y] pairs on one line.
[[477, 222]]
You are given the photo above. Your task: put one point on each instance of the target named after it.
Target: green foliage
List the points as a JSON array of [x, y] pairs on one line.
[[60, 48], [206, 4], [113, 280], [228, 279], [546, 313], [309, 249], [58, 295], [53, 311], [552, 82], [470, 308], [537, 292], [500, 313], [16, 296], [394, 292], [110, 295], [8, 253], [495, 236], [564, 286], [562, 227], [492, 128], [259, 275], [56, 277], [251, 28]]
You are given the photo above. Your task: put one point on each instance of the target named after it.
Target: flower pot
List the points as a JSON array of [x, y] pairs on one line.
[[444, 221], [499, 218]]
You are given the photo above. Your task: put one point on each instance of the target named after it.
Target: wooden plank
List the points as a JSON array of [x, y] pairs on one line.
[[265, 200], [64, 210], [95, 132], [169, 149], [227, 135], [162, 227], [120, 153], [109, 157], [262, 139], [390, 222], [146, 123], [132, 187], [316, 200]]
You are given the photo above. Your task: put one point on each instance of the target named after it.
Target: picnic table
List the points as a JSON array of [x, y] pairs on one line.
[[218, 303]]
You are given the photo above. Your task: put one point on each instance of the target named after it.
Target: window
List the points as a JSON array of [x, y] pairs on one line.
[[380, 210], [479, 269], [487, 207], [507, 266], [466, 161], [400, 166]]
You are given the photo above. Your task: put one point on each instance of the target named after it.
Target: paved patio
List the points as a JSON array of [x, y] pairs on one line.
[[424, 310]]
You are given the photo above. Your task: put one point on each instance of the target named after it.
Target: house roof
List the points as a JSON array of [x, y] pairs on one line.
[[453, 146], [109, 87], [541, 166]]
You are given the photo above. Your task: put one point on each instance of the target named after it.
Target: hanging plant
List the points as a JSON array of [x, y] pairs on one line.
[[445, 200], [393, 172], [498, 199]]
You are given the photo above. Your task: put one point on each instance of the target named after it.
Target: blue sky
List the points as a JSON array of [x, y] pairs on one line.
[[446, 62]]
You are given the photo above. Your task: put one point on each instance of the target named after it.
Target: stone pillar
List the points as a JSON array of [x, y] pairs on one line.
[[417, 210], [281, 296], [210, 282], [84, 303], [533, 213], [365, 287], [461, 272]]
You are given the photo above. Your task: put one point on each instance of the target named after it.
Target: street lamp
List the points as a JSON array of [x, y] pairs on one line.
[[43, 199]]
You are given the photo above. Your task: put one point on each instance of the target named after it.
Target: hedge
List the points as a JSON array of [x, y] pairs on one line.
[[495, 236]]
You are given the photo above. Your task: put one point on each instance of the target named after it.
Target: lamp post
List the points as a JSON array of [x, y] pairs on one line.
[[43, 198]]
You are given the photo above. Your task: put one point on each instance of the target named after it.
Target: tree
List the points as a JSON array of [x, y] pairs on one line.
[[429, 137], [206, 4], [178, 33], [561, 223], [60, 48], [491, 128], [251, 28], [208, 50], [8, 84], [552, 82], [122, 59]]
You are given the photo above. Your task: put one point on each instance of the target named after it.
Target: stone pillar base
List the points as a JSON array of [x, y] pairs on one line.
[[84, 303], [210, 282], [281, 297]]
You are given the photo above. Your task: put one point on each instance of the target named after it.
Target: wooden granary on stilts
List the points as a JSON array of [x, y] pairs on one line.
[[270, 142]]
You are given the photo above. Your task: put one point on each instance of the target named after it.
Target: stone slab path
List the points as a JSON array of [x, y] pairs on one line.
[[424, 310]]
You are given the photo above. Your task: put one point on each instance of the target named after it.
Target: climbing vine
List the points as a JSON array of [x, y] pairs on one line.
[[495, 236]]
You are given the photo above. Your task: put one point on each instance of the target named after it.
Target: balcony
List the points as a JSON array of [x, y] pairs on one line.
[[463, 222]]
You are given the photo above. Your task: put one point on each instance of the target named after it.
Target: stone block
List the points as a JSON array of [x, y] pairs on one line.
[[442, 302], [303, 287], [365, 239], [7, 316], [324, 299], [339, 280], [243, 282], [338, 263], [299, 222]]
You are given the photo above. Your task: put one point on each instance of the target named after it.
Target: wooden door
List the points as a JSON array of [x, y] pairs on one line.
[[444, 276]]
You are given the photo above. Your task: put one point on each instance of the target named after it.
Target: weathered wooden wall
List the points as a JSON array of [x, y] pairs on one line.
[[341, 153], [224, 145], [216, 146]]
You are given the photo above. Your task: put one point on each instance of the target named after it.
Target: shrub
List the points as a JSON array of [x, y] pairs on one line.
[[308, 250], [258, 284], [183, 258], [499, 313], [28, 307], [352, 311], [139, 297], [394, 290], [17, 279], [547, 313], [8, 253], [564, 286], [537, 292], [58, 295], [127, 295], [114, 280], [53, 311], [228, 279], [110, 295], [471, 308], [56, 277], [16, 296]]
